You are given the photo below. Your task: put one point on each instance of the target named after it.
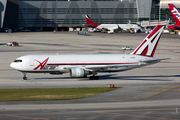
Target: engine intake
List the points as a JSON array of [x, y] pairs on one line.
[[77, 72]]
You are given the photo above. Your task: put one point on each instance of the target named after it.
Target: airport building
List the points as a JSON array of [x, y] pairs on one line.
[[62, 14]]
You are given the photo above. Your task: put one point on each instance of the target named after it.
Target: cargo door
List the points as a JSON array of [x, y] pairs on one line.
[[31, 62]]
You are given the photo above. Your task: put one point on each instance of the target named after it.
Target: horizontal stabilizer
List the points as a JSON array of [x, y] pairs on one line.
[[153, 60]]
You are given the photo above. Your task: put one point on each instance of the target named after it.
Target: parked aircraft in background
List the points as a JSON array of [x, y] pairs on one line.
[[176, 15], [81, 65], [112, 27]]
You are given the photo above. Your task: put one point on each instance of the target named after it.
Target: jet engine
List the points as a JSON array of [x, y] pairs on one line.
[[78, 72]]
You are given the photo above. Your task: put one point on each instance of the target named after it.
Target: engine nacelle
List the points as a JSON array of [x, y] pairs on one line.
[[77, 72]]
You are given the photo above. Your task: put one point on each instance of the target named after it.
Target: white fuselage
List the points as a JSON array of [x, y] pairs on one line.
[[122, 26], [62, 63]]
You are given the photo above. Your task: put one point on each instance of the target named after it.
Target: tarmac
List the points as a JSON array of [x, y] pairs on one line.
[[150, 92]]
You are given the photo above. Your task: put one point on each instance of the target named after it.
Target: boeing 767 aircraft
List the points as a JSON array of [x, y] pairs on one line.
[[81, 65]]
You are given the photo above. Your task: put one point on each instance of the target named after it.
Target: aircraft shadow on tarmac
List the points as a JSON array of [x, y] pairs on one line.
[[144, 78], [46, 44], [3, 43], [112, 76]]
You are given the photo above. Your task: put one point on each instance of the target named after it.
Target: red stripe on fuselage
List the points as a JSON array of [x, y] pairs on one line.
[[89, 63]]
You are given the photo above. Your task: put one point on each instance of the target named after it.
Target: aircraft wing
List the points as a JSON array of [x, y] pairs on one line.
[[175, 27], [111, 28], [104, 67]]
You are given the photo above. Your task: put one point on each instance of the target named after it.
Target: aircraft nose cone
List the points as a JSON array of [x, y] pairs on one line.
[[12, 65]]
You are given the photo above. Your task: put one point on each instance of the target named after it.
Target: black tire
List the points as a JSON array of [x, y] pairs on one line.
[[91, 77], [24, 78], [94, 77], [85, 76]]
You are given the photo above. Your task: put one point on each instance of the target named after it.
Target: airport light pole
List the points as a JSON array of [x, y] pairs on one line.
[[56, 14], [56, 18], [159, 12]]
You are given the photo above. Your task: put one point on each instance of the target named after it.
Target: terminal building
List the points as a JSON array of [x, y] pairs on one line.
[[62, 14]]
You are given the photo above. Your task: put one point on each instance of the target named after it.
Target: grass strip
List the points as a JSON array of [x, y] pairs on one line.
[[40, 94]]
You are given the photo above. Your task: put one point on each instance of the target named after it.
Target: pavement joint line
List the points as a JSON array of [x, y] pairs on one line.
[[153, 90], [105, 109], [160, 87], [143, 109], [160, 93], [23, 117], [134, 115], [170, 90], [159, 90], [175, 91]]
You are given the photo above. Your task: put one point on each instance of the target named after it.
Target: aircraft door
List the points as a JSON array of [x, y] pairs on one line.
[[31, 62]]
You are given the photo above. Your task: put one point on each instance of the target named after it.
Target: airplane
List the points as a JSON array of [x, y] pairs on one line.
[[112, 27], [82, 65], [176, 15]]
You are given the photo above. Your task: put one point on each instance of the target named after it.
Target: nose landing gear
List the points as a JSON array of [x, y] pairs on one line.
[[24, 78]]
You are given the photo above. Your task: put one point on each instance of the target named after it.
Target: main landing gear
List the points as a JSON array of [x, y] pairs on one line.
[[94, 77], [24, 78]]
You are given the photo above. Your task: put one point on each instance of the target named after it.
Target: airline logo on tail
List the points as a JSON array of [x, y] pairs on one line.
[[149, 44], [90, 23], [175, 13]]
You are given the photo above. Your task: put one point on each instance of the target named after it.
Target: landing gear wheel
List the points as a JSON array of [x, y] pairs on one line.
[[94, 77], [24, 78], [85, 76]]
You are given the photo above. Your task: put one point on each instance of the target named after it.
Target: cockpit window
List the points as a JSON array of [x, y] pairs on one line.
[[18, 61]]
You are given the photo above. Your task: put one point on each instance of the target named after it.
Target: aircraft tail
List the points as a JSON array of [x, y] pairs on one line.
[[90, 23], [175, 13], [148, 46]]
